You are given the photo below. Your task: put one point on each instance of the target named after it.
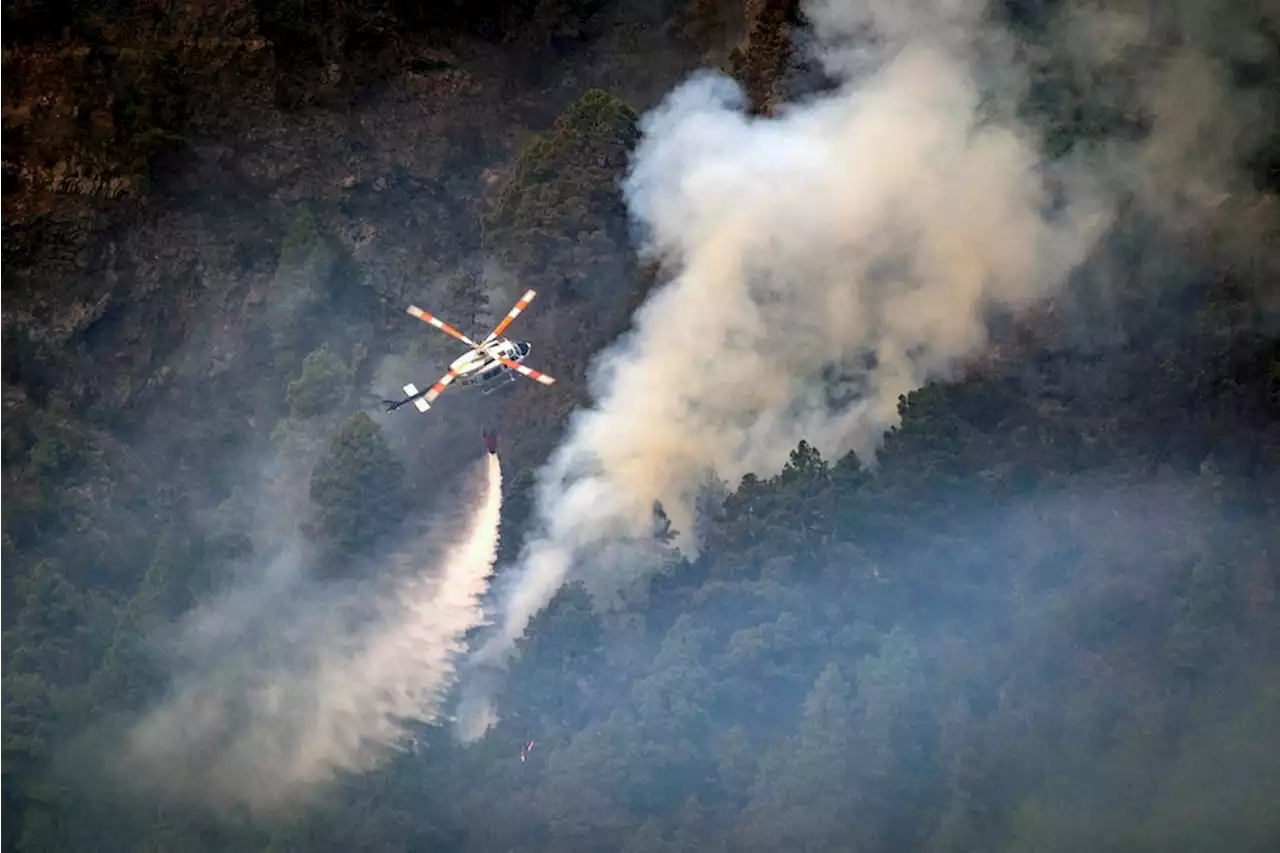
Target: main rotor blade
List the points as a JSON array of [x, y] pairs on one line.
[[433, 320], [512, 314], [441, 384], [535, 375]]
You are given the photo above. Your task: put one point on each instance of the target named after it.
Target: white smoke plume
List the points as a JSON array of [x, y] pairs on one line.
[[275, 703], [826, 260]]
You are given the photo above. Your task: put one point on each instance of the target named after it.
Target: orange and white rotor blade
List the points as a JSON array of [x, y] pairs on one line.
[[438, 388], [512, 314], [423, 403], [536, 376], [433, 320]]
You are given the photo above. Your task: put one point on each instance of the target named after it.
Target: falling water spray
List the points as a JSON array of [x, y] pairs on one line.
[[266, 727]]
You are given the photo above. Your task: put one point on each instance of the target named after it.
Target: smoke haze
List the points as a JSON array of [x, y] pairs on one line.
[[284, 686], [836, 256]]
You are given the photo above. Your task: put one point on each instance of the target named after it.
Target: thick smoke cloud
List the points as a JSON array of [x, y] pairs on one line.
[[835, 256], [284, 684]]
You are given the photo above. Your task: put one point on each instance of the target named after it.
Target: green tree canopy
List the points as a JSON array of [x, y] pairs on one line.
[[562, 206], [324, 384], [357, 487]]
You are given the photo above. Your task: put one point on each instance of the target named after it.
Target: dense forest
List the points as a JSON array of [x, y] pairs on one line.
[[1041, 614]]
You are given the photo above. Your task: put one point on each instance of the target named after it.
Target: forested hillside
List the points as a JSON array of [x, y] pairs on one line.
[[1042, 615]]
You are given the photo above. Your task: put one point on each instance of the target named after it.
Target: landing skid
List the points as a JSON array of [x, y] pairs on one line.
[[498, 386]]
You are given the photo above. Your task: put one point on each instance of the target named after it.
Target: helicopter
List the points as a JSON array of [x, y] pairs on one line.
[[488, 365]]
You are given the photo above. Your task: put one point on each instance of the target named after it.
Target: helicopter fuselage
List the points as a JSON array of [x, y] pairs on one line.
[[481, 367]]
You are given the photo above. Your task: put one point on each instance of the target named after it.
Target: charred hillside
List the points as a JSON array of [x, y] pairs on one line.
[[1041, 612], [178, 225]]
